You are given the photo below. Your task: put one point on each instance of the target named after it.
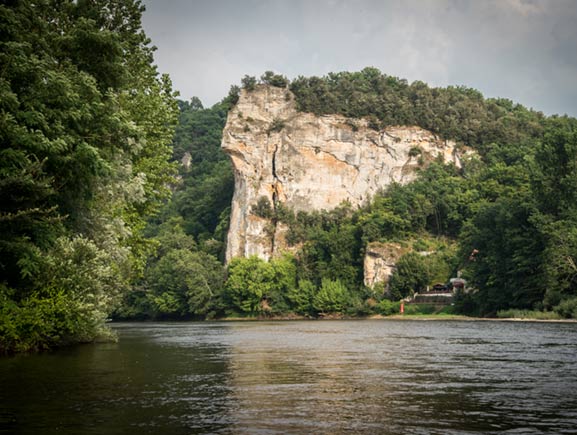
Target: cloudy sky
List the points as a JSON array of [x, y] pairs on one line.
[[524, 50]]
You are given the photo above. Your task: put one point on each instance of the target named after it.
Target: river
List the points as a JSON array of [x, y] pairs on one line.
[[301, 377]]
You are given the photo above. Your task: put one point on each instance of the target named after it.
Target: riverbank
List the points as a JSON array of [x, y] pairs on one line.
[[421, 317], [475, 319]]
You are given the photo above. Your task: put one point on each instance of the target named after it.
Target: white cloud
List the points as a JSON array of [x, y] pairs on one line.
[[523, 7], [519, 49]]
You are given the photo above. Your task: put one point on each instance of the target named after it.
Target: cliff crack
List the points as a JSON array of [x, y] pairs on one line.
[[274, 175], [337, 158], [383, 145], [275, 198]]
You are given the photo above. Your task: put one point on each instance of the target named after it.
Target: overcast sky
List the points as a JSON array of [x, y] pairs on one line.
[[524, 50]]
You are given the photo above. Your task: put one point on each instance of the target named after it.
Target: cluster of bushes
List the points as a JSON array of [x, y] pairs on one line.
[[268, 78]]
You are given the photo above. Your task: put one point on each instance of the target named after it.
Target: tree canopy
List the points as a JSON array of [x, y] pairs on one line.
[[85, 130]]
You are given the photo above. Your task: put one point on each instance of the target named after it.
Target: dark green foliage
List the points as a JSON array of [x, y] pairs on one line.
[[85, 126], [262, 208], [181, 281], [248, 83], [526, 235], [199, 132], [332, 246], [39, 322], [272, 79], [332, 297], [508, 268], [276, 125], [232, 97], [184, 278], [207, 185], [439, 201], [416, 272], [568, 308], [301, 298], [415, 151], [257, 287], [193, 280], [269, 78], [457, 113], [411, 276]]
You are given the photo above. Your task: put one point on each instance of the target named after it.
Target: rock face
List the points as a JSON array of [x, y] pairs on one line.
[[380, 262], [309, 162]]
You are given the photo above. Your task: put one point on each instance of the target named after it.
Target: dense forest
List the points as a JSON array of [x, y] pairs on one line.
[[115, 196], [512, 204]]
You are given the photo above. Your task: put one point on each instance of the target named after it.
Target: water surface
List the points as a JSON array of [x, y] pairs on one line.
[[329, 377]]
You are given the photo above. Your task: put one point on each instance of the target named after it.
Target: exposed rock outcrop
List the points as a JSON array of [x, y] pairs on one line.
[[380, 262], [309, 162]]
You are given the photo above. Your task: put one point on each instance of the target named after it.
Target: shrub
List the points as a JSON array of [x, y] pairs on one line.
[[332, 297], [262, 208], [46, 319], [272, 79], [248, 82], [420, 309], [301, 297], [276, 125], [567, 308], [249, 282], [415, 151], [255, 286], [387, 307]]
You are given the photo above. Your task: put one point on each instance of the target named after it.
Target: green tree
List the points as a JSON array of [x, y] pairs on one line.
[[255, 286], [180, 280], [457, 113], [285, 280], [249, 283], [192, 279], [85, 128], [203, 196], [415, 272], [248, 83], [508, 269], [272, 79], [301, 297], [332, 297], [411, 276]]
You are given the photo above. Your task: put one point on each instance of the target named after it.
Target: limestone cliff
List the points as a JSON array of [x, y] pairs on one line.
[[310, 162], [380, 262]]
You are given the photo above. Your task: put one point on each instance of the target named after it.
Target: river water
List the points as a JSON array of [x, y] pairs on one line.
[[302, 377]]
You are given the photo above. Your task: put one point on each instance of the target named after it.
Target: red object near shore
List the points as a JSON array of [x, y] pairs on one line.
[[402, 307]]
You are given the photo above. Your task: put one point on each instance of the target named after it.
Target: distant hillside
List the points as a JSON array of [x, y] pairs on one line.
[[512, 205]]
